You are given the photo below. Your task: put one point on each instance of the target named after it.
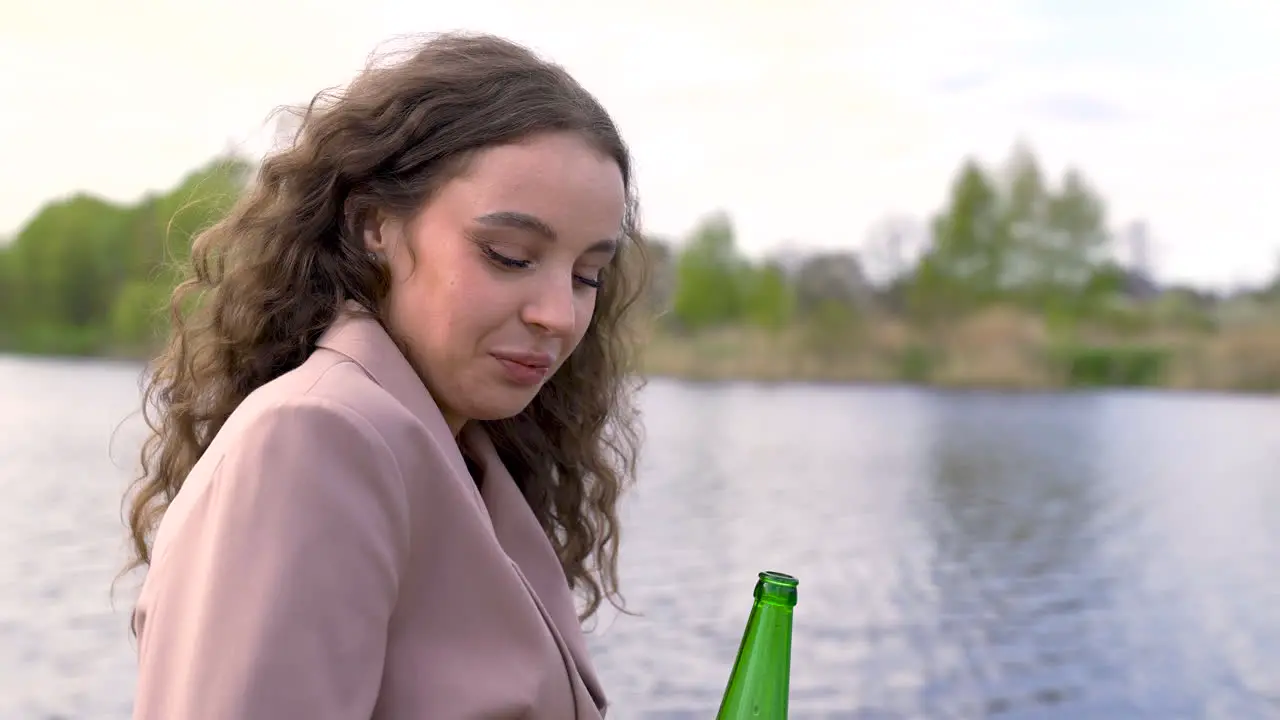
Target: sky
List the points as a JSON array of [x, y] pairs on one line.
[[809, 122]]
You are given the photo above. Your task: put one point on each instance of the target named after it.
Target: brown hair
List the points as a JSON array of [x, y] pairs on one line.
[[269, 278]]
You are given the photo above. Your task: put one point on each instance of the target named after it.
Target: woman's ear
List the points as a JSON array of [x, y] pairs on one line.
[[360, 223], [380, 231], [387, 231]]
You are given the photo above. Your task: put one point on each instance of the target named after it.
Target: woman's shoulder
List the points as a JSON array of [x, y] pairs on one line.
[[309, 432], [332, 388], [326, 384]]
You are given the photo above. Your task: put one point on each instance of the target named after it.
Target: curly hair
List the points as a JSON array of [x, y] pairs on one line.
[[264, 282]]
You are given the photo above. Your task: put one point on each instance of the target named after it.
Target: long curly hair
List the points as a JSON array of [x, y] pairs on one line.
[[264, 283]]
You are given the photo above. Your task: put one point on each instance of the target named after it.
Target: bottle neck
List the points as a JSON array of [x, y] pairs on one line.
[[776, 590], [759, 684]]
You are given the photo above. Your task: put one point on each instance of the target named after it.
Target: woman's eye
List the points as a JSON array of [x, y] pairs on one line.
[[504, 261], [511, 263]]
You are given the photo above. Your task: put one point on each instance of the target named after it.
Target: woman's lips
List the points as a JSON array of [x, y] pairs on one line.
[[525, 368]]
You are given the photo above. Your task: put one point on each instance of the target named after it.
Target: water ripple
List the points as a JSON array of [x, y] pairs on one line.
[[961, 555]]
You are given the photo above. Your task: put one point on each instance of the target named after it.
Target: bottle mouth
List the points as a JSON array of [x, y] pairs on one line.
[[778, 589], [771, 576]]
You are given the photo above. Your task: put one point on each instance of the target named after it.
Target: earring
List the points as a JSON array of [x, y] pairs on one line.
[[375, 257]]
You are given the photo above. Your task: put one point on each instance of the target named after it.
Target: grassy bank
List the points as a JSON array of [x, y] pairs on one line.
[[1000, 349]]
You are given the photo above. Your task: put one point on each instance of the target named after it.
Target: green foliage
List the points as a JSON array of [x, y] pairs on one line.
[[831, 329], [90, 276], [139, 311], [966, 265], [715, 286], [709, 287], [916, 364], [769, 300], [1016, 239], [86, 276], [1182, 310], [1095, 366]]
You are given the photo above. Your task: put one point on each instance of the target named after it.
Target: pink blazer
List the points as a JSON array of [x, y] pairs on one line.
[[330, 558]]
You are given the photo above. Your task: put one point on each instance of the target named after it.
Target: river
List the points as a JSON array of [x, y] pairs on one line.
[[960, 555]]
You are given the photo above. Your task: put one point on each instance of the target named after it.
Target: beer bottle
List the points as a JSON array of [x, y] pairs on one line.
[[760, 683]]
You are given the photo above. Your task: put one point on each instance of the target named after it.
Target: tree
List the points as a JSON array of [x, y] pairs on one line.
[[831, 278], [84, 275], [966, 263], [709, 274], [769, 300], [1024, 209], [1073, 249]]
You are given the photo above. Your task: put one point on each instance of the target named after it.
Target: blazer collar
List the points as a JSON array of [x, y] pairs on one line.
[[357, 334]]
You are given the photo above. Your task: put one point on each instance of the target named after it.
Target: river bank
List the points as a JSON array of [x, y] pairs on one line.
[[1000, 350]]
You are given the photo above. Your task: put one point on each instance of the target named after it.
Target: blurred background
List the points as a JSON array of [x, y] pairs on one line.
[[967, 317]]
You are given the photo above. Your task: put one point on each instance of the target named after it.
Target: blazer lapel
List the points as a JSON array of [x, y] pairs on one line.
[[358, 335], [525, 543]]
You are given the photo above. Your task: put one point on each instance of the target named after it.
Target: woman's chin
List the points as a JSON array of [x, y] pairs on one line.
[[500, 405]]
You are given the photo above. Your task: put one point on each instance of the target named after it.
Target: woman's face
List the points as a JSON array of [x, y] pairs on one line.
[[501, 282]]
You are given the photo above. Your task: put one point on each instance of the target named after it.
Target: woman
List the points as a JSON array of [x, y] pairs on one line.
[[394, 417]]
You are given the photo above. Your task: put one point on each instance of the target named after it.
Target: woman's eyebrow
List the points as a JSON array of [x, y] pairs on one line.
[[518, 221], [537, 226]]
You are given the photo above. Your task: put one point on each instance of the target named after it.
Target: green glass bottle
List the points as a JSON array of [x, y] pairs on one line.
[[760, 684]]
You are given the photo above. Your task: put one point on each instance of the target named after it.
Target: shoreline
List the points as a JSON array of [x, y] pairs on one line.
[[1000, 350], [991, 386]]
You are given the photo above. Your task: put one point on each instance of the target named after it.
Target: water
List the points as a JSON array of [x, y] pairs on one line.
[[960, 555]]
